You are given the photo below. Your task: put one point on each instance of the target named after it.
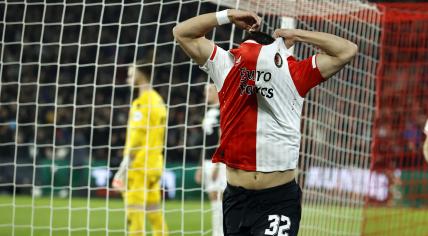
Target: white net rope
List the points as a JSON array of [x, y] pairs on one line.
[[297, 8], [336, 143], [64, 105]]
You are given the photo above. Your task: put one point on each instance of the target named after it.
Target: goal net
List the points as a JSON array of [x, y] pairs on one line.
[[401, 113], [64, 104]]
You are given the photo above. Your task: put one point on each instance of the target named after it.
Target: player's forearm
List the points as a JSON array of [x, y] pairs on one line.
[[195, 27], [127, 150], [331, 44]]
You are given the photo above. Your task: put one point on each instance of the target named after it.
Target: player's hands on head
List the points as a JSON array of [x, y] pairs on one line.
[[289, 35], [245, 20]]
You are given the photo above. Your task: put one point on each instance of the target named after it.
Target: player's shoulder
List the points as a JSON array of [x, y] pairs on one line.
[[138, 102], [154, 94], [150, 97], [221, 55]]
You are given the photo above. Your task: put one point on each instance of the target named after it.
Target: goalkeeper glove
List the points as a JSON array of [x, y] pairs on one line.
[[119, 179]]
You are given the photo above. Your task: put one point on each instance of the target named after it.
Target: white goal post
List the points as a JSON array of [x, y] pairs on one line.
[[64, 104]]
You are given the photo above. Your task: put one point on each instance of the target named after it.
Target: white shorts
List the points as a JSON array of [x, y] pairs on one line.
[[218, 184]]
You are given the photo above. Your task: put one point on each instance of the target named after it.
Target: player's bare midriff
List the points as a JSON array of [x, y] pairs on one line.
[[256, 180]]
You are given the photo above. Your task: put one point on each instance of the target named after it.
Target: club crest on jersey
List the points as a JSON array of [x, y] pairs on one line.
[[278, 60], [137, 116]]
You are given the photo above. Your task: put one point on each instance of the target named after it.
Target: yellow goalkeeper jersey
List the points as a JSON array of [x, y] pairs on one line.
[[145, 132]]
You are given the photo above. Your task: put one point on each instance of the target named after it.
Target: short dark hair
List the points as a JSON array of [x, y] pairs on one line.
[[259, 37]]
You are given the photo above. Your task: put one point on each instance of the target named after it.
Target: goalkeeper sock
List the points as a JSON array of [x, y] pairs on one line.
[[217, 218], [136, 222], [158, 224]]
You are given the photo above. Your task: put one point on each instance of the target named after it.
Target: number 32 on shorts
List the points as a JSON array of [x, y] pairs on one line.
[[278, 225]]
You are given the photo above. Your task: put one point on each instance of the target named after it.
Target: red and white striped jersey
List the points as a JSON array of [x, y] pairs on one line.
[[261, 90]]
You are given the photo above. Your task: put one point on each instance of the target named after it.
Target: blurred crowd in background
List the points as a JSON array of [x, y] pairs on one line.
[[64, 80]]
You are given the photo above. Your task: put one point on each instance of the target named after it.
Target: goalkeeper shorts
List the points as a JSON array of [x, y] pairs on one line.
[[272, 211]]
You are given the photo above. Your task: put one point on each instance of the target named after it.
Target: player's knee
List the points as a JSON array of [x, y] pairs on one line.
[[158, 223], [136, 221]]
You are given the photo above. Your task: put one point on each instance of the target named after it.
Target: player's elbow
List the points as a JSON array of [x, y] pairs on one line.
[[349, 52], [176, 33], [180, 34], [353, 50]]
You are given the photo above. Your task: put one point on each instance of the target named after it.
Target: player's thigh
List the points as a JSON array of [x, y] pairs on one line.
[[234, 212], [281, 218], [279, 223], [136, 193], [153, 190]]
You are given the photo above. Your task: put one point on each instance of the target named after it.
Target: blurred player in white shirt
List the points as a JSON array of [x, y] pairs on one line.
[[212, 175]]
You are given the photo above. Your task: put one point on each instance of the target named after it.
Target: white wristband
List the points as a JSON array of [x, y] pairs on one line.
[[222, 17]]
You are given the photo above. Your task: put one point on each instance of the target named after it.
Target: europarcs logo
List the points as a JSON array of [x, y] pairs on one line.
[[252, 76]]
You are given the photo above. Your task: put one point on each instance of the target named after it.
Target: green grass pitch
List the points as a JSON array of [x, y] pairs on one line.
[[97, 215], [43, 216]]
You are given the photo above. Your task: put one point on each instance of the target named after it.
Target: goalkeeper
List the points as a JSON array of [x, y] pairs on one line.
[[261, 88], [142, 164]]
